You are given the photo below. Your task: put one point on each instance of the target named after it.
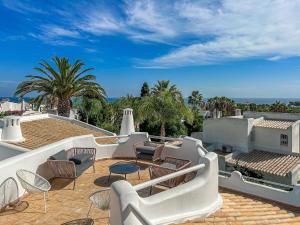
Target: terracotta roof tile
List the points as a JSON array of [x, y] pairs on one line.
[[268, 162], [276, 124], [38, 133]]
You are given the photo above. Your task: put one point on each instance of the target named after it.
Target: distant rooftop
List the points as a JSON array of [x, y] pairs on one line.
[[38, 133], [276, 124], [268, 162]]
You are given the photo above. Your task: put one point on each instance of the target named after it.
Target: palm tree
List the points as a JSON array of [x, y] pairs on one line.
[[195, 100], [164, 85], [278, 107], [89, 107], [224, 104], [61, 82], [145, 90], [165, 105]]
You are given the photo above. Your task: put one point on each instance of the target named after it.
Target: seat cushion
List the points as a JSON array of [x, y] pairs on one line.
[[146, 150], [168, 165], [81, 158], [61, 155], [80, 168], [144, 156], [151, 144]]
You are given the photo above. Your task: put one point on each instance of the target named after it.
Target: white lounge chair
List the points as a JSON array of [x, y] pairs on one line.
[[34, 184]]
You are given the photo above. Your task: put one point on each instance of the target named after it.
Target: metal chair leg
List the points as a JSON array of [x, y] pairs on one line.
[[89, 210], [45, 202], [108, 178], [74, 183]]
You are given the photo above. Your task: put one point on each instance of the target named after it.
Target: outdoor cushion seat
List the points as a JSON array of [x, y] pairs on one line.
[[146, 150], [168, 165], [72, 163], [81, 158], [151, 144], [80, 168], [62, 155], [144, 156]]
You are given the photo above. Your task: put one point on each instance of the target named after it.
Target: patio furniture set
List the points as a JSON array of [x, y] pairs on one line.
[[72, 163]]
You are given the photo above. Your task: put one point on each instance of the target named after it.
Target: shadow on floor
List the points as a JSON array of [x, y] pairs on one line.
[[20, 207], [103, 181], [85, 221], [61, 183]]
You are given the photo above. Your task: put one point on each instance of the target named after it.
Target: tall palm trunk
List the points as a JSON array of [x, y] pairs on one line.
[[163, 129], [63, 107]]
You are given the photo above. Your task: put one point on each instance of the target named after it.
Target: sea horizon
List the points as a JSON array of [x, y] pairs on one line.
[[237, 100]]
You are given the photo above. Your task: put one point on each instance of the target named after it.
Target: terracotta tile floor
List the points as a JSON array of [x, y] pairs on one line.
[[66, 205]]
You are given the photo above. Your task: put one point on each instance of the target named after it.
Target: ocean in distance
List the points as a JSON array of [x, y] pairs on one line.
[[237, 100]]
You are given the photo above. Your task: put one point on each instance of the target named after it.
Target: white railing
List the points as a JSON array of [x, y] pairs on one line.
[[167, 177]]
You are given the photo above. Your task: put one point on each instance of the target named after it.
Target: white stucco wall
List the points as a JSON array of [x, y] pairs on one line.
[[10, 106], [233, 131], [295, 138], [268, 139]]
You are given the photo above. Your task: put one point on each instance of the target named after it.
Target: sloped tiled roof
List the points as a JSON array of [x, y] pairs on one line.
[[38, 133], [276, 124], [268, 162]]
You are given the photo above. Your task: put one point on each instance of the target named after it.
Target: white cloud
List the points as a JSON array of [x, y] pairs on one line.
[[56, 35], [237, 30], [200, 32], [204, 32], [57, 31], [21, 6]]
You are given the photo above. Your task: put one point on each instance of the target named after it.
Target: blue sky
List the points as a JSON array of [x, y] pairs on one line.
[[229, 47]]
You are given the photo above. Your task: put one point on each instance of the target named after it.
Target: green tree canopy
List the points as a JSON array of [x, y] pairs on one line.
[[165, 105], [58, 83], [145, 90], [195, 100]]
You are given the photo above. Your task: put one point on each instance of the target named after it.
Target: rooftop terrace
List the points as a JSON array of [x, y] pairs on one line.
[[38, 133], [66, 205]]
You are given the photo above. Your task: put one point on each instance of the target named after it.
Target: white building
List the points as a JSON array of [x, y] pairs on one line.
[[274, 132], [13, 106]]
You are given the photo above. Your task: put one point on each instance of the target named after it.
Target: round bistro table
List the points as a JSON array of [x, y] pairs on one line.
[[123, 168]]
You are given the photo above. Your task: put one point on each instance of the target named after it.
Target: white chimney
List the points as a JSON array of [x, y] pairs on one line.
[[23, 105], [238, 112], [214, 114], [127, 126], [11, 130]]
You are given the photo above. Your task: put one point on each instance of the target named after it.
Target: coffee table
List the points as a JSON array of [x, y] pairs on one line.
[[123, 168]]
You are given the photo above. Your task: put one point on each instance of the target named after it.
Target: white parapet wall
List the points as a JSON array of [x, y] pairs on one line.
[[194, 199], [237, 183]]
